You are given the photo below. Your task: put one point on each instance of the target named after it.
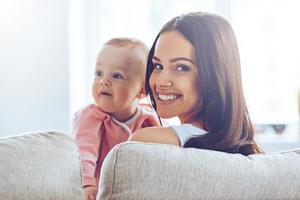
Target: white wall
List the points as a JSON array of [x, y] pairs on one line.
[[84, 45], [33, 66]]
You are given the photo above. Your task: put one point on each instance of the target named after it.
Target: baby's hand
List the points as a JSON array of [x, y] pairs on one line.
[[90, 192]]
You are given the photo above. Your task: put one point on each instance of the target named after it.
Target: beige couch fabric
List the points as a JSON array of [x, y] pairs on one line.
[[153, 171], [40, 166]]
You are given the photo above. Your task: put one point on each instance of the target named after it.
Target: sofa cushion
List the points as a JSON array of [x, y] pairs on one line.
[[40, 166], [135, 170]]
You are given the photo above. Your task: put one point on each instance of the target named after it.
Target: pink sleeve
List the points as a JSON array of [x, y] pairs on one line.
[[87, 131], [150, 121], [149, 117]]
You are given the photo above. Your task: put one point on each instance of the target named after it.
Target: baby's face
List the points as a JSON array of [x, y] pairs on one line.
[[118, 79]]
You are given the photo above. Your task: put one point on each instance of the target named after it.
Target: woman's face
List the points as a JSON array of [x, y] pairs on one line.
[[174, 80]]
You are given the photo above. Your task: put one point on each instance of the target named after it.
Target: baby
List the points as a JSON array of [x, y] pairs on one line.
[[118, 86]]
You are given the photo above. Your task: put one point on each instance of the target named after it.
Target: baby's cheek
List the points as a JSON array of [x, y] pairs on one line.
[[94, 91]]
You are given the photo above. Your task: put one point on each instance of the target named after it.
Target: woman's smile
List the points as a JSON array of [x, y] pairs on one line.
[[167, 98]]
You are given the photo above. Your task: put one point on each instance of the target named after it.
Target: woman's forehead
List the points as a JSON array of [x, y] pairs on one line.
[[173, 44]]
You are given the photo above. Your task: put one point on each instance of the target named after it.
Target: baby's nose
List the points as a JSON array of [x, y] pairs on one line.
[[104, 81]]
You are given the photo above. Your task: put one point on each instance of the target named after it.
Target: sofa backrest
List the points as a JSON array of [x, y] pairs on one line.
[[135, 170], [40, 166]]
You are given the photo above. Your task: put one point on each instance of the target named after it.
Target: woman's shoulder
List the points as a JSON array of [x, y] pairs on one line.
[[188, 128], [184, 132]]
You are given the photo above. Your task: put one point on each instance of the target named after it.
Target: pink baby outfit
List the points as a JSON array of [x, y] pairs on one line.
[[97, 132]]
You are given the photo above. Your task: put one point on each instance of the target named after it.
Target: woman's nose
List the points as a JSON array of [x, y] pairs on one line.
[[164, 80]]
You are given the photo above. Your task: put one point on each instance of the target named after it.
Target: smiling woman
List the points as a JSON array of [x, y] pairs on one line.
[[194, 72]]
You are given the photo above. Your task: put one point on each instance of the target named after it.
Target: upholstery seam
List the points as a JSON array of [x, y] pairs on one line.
[[114, 171], [80, 164]]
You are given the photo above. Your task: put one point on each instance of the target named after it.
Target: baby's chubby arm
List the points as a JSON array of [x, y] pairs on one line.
[[87, 132], [162, 135]]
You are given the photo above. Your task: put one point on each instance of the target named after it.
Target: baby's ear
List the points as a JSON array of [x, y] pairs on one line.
[[142, 92]]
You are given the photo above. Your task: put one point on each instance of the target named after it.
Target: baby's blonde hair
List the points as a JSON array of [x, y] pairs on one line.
[[132, 43]]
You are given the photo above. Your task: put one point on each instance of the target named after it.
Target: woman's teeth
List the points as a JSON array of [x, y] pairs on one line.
[[167, 97]]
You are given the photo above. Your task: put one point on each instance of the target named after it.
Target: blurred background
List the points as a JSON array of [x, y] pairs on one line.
[[48, 50]]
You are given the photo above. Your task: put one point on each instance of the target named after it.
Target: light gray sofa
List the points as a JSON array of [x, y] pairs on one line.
[[153, 171], [39, 166]]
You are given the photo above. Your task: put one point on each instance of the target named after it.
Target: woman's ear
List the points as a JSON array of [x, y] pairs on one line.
[[142, 92]]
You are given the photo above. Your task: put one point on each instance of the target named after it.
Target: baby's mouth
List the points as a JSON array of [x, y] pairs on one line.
[[105, 93]]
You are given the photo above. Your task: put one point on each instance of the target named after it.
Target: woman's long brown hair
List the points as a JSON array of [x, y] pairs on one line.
[[224, 112]]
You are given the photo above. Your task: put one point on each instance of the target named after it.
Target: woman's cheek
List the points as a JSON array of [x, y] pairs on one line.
[[152, 81]]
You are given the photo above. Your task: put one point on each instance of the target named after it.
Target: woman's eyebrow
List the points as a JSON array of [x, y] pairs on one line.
[[156, 58], [176, 59], [182, 58]]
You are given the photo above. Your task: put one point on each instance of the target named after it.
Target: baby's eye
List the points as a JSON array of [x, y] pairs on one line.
[[118, 76], [182, 68], [157, 66], [98, 73]]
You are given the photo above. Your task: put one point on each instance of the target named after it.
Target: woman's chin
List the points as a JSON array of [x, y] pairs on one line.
[[165, 115]]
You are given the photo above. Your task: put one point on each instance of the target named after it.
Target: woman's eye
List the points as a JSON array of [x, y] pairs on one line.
[[98, 74], [182, 68], [157, 66], [118, 76]]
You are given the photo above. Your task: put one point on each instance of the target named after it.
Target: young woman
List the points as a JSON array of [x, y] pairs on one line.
[[193, 72]]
